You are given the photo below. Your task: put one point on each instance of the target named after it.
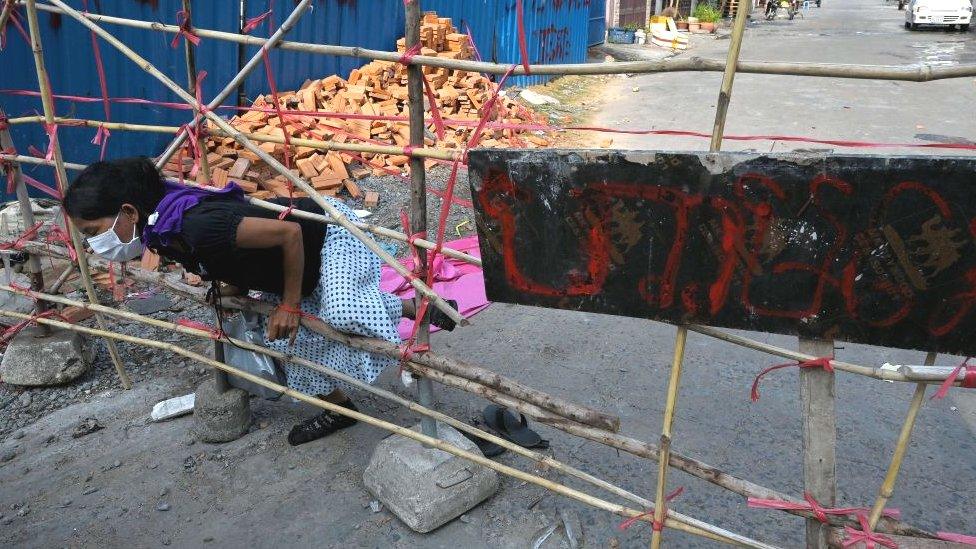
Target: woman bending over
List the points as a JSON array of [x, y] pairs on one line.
[[303, 266]]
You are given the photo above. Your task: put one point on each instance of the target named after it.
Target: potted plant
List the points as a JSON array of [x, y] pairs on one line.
[[707, 16], [681, 23], [693, 24], [621, 35]]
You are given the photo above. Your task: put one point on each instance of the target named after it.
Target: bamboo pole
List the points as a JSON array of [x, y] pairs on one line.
[[235, 82], [5, 12], [542, 459], [33, 160], [65, 275], [550, 403], [904, 437], [687, 464], [370, 420], [303, 185], [908, 73], [439, 154], [191, 86], [62, 181], [728, 78], [369, 227], [671, 403]]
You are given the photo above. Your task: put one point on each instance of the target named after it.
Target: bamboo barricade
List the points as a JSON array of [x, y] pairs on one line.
[[396, 429], [704, 528], [418, 285], [913, 73], [909, 73], [630, 445], [61, 177]]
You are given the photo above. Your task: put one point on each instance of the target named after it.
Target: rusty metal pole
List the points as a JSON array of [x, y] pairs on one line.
[[418, 194]]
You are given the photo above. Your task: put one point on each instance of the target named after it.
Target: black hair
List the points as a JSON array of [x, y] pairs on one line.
[[103, 187]]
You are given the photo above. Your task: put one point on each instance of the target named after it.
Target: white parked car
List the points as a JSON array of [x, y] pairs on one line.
[[947, 13]]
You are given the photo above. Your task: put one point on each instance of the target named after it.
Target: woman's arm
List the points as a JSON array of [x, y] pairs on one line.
[[256, 232]]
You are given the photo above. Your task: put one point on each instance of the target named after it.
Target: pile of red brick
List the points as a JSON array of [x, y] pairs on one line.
[[376, 89]]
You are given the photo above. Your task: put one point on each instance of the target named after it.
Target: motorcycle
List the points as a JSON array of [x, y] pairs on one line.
[[789, 8]]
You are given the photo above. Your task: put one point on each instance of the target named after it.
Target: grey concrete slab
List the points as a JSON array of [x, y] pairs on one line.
[[36, 357]]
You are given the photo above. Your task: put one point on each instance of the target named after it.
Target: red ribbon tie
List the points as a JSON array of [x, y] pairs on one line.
[[822, 362]]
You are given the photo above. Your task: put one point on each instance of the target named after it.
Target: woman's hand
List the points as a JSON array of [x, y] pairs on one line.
[[283, 323]]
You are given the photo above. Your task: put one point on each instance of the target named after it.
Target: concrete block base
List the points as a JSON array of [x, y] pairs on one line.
[[34, 359], [220, 417], [426, 487]]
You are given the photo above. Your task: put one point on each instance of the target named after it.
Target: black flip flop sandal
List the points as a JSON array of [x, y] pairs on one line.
[[441, 320], [513, 429], [488, 448]]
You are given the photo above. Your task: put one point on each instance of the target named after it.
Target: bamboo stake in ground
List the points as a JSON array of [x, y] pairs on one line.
[[904, 437], [303, 185], [672, 400], [707, 530], [62, 181], [370, 420]]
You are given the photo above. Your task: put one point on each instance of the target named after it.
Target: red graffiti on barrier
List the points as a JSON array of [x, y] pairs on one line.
[[747, 234]]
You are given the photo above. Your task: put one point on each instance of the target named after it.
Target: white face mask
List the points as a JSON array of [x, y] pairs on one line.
[[109, 246]]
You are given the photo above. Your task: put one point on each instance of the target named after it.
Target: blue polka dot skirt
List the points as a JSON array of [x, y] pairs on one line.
[[348, 297]]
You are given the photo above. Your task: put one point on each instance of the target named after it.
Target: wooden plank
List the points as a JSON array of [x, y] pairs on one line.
[[819, 437], [813, 245]]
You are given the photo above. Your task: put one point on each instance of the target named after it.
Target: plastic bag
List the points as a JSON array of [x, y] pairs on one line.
[[247, 327]]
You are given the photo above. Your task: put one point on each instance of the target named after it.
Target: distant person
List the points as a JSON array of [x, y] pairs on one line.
[[125, 206]]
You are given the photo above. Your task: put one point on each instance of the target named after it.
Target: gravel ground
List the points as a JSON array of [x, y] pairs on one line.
[[20, 407], [395, 197]]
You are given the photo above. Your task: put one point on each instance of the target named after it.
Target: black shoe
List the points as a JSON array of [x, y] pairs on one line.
[[441, 320], [321, 425]]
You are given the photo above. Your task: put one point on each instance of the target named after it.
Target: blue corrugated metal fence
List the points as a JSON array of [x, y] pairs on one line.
[[598, 22], [71, 68], [556, 32]]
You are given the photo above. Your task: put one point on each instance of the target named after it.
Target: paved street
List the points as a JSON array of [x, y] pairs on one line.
[[138, 484], [849, 31]]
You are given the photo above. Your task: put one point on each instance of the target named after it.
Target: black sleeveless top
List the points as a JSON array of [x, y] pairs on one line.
[[207, 245]]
